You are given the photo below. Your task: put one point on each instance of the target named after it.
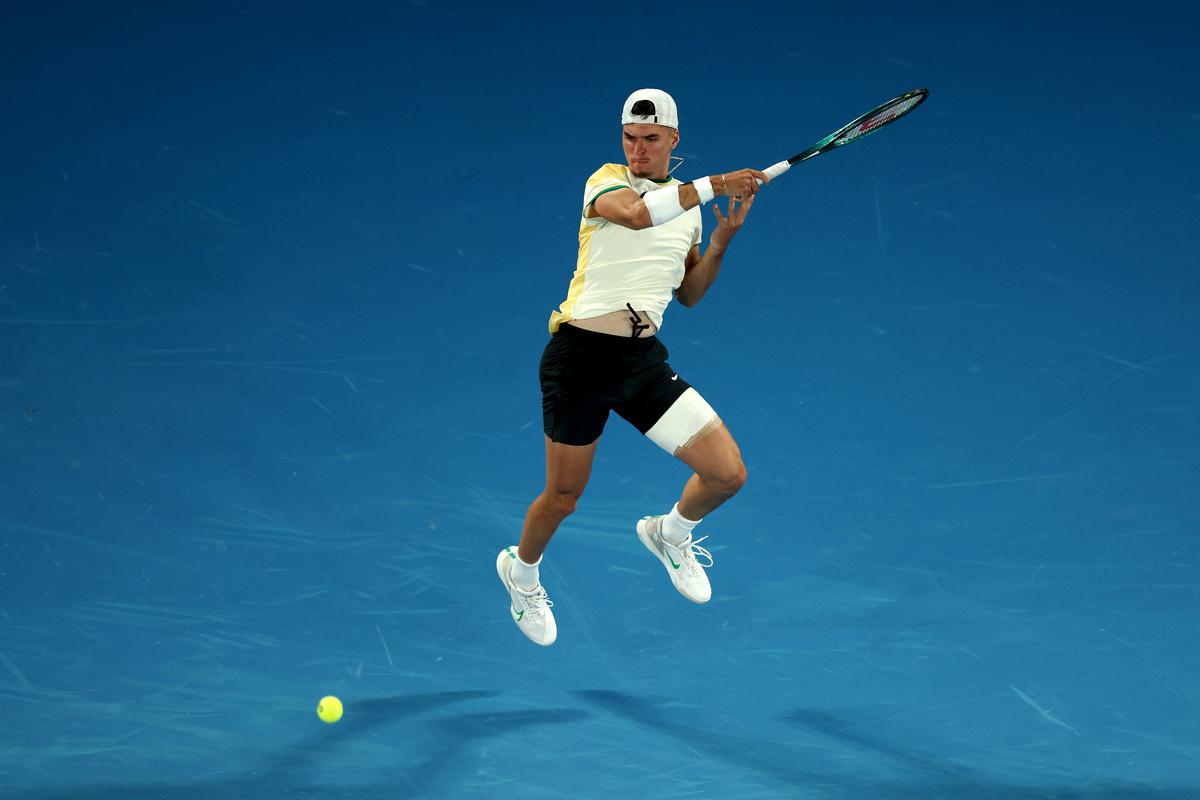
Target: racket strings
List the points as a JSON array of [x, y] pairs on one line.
[[881, 117]]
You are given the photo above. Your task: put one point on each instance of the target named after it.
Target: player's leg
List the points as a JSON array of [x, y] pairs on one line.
[[719, 472], [691, 431], [574, 414], [568, 468], [675, 417]]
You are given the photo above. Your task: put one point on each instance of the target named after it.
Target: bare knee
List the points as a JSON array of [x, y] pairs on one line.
[[730, 479], [560, 504]]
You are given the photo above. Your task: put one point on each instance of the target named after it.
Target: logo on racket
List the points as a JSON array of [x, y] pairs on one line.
[[872, 124]]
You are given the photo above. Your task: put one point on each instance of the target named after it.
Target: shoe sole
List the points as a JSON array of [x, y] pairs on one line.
[[500, 559], [644, 536], [500, 566]]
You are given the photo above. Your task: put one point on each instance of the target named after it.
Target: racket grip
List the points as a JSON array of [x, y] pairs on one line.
[[775, 170]]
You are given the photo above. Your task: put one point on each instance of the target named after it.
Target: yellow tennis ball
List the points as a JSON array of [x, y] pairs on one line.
[[329, 709]]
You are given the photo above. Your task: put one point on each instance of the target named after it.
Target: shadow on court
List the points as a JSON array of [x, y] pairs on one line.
[[932, 779], [437, 743]]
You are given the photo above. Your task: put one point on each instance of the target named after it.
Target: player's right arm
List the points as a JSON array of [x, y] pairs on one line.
[[628, 209], [624, 207]]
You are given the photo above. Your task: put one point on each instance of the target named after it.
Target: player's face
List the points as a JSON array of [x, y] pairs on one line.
[[648, 149]]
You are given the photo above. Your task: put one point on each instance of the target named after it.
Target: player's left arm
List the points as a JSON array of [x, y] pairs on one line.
[[701, 270]]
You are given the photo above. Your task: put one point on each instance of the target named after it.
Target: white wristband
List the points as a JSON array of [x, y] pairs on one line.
[[704, 189], [663, 204]]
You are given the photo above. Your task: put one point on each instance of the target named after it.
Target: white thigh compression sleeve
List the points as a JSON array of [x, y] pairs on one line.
[[684, 421]]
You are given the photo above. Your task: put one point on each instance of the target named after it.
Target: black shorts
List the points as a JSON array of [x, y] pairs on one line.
[[585, 375]]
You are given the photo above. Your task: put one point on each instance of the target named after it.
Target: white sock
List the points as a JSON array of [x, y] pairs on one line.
[[525, 576], [676, 528]]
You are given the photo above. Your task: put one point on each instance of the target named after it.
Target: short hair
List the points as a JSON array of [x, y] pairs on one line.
[[643, 108]]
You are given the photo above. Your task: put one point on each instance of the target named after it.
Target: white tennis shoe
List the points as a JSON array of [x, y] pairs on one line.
[[682, 561], [529, 609]]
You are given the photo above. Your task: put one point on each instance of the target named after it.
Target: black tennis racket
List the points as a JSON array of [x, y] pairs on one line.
[[865, 125]]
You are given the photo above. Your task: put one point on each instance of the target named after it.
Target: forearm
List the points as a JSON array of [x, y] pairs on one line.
[[700, 277], [690, 193], [655, 209]]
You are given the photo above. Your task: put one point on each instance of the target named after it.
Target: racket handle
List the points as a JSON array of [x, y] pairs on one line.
[[775, 170]]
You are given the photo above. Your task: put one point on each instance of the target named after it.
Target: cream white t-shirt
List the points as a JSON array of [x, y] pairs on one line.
[[617, 265]]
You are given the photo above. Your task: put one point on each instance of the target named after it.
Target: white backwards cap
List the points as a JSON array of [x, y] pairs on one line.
[[654, 107]]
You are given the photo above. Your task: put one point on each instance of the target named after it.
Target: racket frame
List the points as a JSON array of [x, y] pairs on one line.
[[835, 139]]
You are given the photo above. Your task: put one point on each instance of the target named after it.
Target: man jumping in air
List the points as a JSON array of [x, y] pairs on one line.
[[639, 243]]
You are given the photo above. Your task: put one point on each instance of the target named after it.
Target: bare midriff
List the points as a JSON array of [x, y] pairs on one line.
[[617, 323]]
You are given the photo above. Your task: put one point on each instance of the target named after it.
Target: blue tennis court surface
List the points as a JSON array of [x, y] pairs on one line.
[[274, 282]]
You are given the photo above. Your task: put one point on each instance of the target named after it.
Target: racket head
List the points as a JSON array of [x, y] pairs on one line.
[[868, 123]]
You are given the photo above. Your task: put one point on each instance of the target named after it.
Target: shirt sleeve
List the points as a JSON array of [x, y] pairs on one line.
[[606, 179]]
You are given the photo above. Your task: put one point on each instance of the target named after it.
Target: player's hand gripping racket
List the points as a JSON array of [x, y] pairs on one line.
[[868, 123]]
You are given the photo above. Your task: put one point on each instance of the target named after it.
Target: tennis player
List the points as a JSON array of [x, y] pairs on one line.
[[639, 243]]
